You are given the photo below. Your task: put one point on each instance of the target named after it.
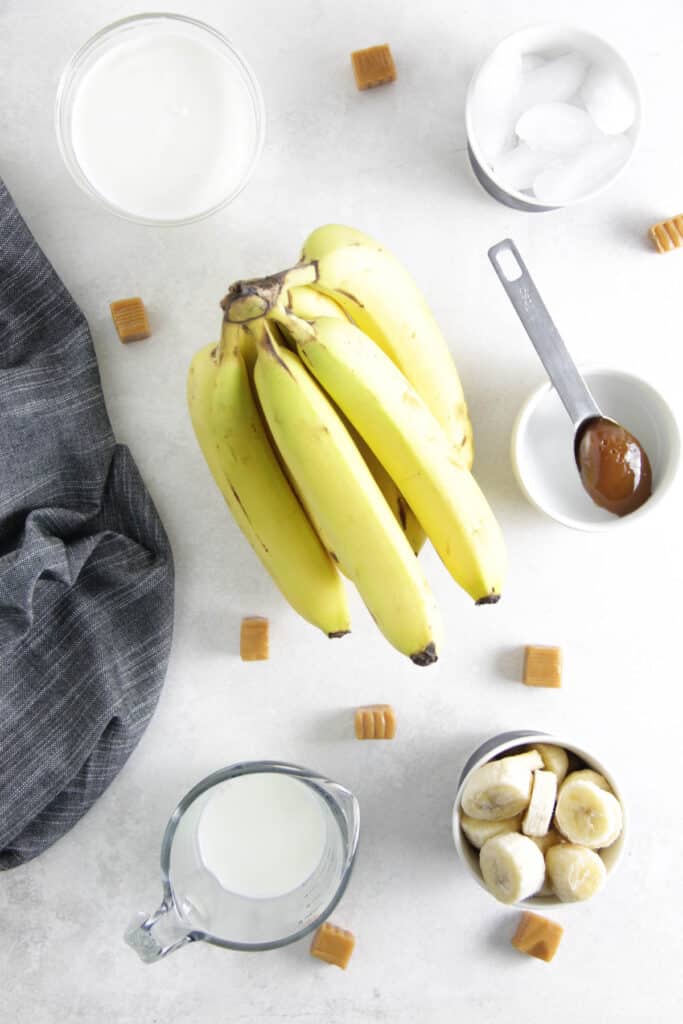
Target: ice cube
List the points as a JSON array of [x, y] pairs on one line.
[[609, 100], [496, 89], [584, 172], [555, 81], [518, 168], [559, 128]]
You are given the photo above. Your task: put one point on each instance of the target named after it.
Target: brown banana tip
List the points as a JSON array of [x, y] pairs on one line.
[[339, 633], [427, 656], [489, 599]]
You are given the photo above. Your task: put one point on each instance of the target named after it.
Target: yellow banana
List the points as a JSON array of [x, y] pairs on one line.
[[383, 300], [345, 504], [232, 437], [406, 438], [307, 303]]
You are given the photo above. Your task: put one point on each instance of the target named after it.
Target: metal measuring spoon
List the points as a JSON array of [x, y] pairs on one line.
[[613, 466]]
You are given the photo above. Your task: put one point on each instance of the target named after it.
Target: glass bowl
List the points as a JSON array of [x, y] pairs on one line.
[[141, 28]]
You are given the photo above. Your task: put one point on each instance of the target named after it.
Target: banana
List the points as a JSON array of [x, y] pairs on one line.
[[308, 304], [529, 759], [512, 867], [574, 872], [345, 504], [231, 435], [478, 831], [551, 838], [539, 813], [399, 428], [588, 775], [555, 759], [382, 298], [500, 789], [402, 512], [586, 814]]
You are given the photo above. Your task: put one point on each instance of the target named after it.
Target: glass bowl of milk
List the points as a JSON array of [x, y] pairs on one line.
[[160, 119]]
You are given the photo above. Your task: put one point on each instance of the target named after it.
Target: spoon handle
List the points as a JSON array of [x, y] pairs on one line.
[[545, 337]]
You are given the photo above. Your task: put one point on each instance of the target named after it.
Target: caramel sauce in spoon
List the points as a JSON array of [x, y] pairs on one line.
[[614, 467]]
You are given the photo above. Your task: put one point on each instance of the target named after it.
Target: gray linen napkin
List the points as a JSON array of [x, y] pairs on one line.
[[86, 571]]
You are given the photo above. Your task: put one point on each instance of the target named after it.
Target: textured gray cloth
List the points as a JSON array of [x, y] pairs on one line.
[[86, 572]]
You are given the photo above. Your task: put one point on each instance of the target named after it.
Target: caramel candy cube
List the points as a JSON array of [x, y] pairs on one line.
[[130, 319], [668, 234], [543, 666], [537, 936], [334, 945], [374, 66], [375, 722], [254, 639]]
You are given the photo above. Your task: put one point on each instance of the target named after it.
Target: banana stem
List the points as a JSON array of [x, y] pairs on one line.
[[249, 300]]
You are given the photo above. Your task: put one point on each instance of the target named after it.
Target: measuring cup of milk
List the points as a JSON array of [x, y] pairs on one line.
[[254, 857]]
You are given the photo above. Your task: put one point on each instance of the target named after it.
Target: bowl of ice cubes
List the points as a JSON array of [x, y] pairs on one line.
[[552, 118]]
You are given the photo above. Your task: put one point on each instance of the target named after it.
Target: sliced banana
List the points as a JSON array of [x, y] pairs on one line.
[[478, 831], [512, 867], [499, 789], [555, 759], [539, 813], [530, 759], [574, 872], [588, 775], [586, 814], [551, 838]]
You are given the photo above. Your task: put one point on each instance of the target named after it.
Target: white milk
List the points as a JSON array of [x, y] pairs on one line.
[[162, 125], [262, 835]]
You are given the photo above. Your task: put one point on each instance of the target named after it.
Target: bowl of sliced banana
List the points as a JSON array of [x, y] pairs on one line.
[[538, 820]]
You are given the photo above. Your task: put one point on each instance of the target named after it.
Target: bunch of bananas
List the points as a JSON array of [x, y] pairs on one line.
[[334, 423]]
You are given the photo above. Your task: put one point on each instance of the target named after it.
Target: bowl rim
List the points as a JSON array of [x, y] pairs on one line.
[[570, 31], [587, 526], [521, 738], [63, 100]]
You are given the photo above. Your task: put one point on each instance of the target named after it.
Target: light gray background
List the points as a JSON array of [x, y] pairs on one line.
[[431, 945]]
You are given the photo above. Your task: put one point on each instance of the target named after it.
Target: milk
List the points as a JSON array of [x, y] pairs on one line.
[[162, 124], [262, 835]]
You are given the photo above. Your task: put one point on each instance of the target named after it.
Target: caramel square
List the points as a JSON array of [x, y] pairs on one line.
[[543, 666], [537, 936], [375, 722], [130, 319], [333, 945], [668, 234], [254, 644], [374, 66]]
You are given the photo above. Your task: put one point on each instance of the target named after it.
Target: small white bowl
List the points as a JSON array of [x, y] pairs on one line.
[[553, 41], [542, 447], [506, 743]]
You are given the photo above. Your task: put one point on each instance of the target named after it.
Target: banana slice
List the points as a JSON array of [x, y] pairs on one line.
[[588, 775], [551, 838], [478, 831], [539, 813], [512, 867], [574, 872], [555, 759], [499, 789], [530, 759], [586, 814]]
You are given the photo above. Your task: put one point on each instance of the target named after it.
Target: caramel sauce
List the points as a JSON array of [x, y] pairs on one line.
[[614, 467]]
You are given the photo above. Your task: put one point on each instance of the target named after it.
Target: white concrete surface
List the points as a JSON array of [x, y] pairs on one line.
[[431, 945]]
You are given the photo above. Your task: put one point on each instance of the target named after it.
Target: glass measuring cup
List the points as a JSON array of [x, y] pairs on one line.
[[196, 907]]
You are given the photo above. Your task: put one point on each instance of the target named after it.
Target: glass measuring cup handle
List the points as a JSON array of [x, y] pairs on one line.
[[154, 936]]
